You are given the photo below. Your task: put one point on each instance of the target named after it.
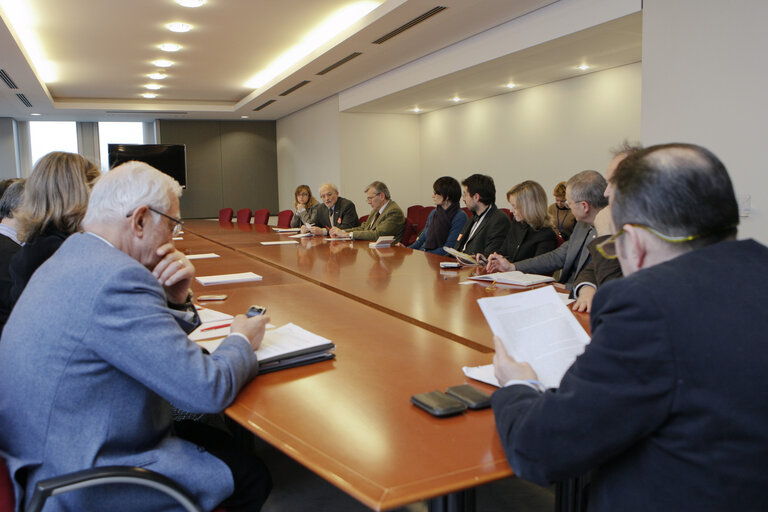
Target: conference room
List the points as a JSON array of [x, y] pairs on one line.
[[535, 89]]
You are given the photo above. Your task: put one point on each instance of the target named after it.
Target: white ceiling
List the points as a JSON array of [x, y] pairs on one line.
[[100, 52]]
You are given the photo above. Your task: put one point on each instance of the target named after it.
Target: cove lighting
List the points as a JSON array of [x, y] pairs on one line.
[[153, 87], [190, 3], [157, 76], [162, 63], [178, 26], [24, 21], [323, 33], [149, 95], [169, 47]]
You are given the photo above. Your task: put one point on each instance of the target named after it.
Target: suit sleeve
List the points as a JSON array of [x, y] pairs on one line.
[[349, 217], [496, 234], [615, 395], [134, 330], [544, 263], [391, 223]]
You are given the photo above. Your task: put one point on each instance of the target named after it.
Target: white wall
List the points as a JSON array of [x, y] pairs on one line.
[[308, 149], [381, 147], [546, 133], [705, 82]]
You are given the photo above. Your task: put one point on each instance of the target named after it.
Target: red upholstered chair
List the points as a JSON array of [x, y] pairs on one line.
[[363, 219], [244, 216], [423, 214], [507, 211], [225, 215], [261, 216], [284, 219], [469, 213], [409, 233], [414, 212]]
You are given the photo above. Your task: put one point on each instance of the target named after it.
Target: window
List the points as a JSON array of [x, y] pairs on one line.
[[118, 133], [47, 136]]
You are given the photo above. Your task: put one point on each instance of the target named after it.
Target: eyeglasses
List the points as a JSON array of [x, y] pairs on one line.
[[607, 249], [176, 228], [370, 198]]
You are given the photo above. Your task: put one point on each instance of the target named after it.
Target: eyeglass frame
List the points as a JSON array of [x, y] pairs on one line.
[[601, 247], [176, 228]]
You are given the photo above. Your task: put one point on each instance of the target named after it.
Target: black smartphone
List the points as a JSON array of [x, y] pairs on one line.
[[438, 403], [256, 311], [470, 395]]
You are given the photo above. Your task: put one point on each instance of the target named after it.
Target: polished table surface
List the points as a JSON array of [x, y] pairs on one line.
[[350, 419], [407, 284]]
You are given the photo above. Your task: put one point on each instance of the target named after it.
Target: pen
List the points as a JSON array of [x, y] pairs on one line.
[[215, 327]]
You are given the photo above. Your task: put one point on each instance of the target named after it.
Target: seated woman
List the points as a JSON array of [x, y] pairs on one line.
[[560, 215], [55, 200], [305, 206], [446, 221], [531, 234]]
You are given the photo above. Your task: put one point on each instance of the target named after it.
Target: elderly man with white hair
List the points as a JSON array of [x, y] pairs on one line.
[[96, 350]]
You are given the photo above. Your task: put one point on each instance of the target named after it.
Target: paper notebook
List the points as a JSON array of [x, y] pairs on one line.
[[202, 256], [513, 277], [242, 277], [466, 259]]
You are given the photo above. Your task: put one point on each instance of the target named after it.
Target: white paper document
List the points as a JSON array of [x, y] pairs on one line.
[[286, 230], [300, 235], [281, 242], [337, 239], [382, 241], [228, 278], [484, 373], [536, 327], [514, 277], [202, 256]]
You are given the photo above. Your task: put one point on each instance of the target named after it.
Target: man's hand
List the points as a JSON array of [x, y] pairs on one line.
[[175, 273], [317, 231], [338, 233], [252, 328], [506, 368], [583, 302], [498, 263], [304, 228]]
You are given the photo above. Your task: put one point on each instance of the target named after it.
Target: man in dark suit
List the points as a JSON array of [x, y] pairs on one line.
[[666, 406], [584, 195], [334, 212], [9, 243], [386, 217], [486, 231]]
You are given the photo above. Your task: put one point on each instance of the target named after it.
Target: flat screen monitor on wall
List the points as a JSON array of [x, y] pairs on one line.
[[168, 158]]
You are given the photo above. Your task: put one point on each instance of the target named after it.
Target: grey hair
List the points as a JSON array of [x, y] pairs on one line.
[[330, 186], [12, 198], [379, 188], [128, 186], [589, 186]]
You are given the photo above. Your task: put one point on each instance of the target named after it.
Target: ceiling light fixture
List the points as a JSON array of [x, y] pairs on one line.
[[327, 30], [24, 22], [511, 85], [153, 87], [583, 67], [149, 95], [162, 63], [416, 109], [456, 99], [178, 26], [169, 47], [243, 117], [157, 76], [190, 3], [35, 114]]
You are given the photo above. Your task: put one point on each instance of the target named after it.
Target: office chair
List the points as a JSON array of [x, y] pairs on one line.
[[225, 215], [261, 216], [363, 219], [284, 219], [414, 211], [423, 214], [244, 216]]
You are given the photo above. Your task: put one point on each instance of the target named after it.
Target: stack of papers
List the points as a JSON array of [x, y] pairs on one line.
[[214, 324], [228, 278], [202, 256], [280, 242], [513, 277], [382, 241]]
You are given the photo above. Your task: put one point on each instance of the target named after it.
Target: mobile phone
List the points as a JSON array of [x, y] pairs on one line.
[[470, 395], [438, 403], [212, 297], [256, 311]]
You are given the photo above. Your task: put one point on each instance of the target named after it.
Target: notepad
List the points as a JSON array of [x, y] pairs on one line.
[[382, 241], [202, 256], [338, 239], [281, 242], [228, 278], [513, 277]]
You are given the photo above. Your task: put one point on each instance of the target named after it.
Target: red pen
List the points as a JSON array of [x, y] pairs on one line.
[[215, 327]]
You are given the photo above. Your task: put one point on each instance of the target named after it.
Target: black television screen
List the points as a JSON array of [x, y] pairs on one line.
[[168, 158]]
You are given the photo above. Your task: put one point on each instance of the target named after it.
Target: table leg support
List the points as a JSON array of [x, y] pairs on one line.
[[462, 501]]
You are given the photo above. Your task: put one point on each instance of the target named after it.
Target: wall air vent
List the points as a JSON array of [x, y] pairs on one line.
[[8, 80], [339, 63], [24, 100], [410, 24], [297, 86], [264, 105]]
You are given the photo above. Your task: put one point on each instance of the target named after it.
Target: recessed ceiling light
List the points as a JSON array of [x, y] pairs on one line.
[[169, 47], [511, 85], [35, 114], [456, 99], [190, 3], [243, 117], [178, 26], [583, 67], [416, 109], [157, 76], [149, 95], [153, 87], [162, 63]]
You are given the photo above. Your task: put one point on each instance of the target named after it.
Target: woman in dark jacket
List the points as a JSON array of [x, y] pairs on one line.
[[531, 233]]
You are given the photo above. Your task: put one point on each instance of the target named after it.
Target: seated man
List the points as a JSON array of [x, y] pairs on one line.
[[96, 351], [9, 243], [386, 218], [337, 212], [486, 231], [584, 195], [666, 406]]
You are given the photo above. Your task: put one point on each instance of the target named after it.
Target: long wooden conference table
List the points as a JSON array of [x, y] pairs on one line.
[[401, 326]]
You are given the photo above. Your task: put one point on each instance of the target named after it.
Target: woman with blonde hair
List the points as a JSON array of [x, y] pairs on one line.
[[531, 234], [55, 201], [304, 205]]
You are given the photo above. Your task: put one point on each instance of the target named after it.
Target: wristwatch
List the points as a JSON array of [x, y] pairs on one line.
[[186, 306]]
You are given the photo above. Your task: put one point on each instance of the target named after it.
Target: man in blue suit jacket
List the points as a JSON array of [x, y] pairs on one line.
[[667, 405], [96, 351]]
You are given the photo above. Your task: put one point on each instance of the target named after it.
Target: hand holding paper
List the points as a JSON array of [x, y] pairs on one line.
[[506, 368]]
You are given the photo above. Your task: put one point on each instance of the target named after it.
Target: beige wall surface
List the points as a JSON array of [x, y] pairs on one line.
[[704, 81]]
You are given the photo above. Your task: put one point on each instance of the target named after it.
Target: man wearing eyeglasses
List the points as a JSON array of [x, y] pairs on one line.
[[666, 406], [386, 217], [96, 351], [335, 211], [584, 195]]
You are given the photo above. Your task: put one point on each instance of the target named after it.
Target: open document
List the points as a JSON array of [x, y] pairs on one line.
[[536, 327], [514, 277]]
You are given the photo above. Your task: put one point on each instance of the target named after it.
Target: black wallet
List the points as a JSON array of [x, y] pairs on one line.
[[438, 403], [470, 395]]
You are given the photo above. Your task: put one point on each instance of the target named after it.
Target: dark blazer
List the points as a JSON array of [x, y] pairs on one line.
[[667, 405], [525, 242], [8, 248], [391, 222], [599, 270], [30, 257], [489, 236], [344, 215], [571, 257]]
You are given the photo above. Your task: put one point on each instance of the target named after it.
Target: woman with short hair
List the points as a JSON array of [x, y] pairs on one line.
[[445, 222], [560, 215]]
